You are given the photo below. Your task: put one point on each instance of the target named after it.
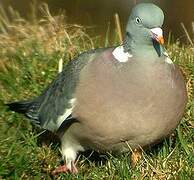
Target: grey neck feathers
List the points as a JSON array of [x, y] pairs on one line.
[[127, 43], [139, 48]]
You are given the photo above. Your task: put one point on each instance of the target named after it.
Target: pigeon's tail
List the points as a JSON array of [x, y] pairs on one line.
[[28, 108], [20, 107]]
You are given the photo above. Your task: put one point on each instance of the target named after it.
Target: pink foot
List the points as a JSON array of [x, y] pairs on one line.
[[65, 169]]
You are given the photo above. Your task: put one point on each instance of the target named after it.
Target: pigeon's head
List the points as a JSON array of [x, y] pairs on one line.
[[144, 24]]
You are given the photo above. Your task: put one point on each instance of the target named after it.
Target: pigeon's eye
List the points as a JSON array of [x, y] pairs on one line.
[[137, 20]]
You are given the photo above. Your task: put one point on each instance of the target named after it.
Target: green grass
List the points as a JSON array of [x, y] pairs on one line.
[[29, 58]]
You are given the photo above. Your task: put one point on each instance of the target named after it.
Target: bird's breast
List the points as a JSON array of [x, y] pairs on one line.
[[134, 102]]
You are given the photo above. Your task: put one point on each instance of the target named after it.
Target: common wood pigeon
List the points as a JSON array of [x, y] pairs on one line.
[[111, 98]]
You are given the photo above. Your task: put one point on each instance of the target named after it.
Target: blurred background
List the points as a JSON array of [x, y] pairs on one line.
[[100, 13]]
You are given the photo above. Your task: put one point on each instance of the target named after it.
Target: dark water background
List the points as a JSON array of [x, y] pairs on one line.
[[100, 13]]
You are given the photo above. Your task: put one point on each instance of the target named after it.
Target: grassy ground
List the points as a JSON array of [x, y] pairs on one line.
[[29, 55]]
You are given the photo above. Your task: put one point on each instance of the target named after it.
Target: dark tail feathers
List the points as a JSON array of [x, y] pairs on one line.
[[28, 108], [20, 107]]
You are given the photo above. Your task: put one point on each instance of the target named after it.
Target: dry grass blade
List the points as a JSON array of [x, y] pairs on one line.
[[118, 27], [60, 65], [192, 25], [4, 20], [44, 9], [187, 34], [14, 15]]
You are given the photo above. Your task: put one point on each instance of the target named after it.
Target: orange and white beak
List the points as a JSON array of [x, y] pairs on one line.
[[157, 34]]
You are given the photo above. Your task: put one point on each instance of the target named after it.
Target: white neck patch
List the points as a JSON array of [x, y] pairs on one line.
[[167, 59], [120, 55]]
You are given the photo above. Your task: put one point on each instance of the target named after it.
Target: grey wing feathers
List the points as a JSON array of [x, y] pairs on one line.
[[56, 98]]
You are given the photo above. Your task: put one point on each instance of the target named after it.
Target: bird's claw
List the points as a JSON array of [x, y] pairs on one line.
[[65, 169]]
